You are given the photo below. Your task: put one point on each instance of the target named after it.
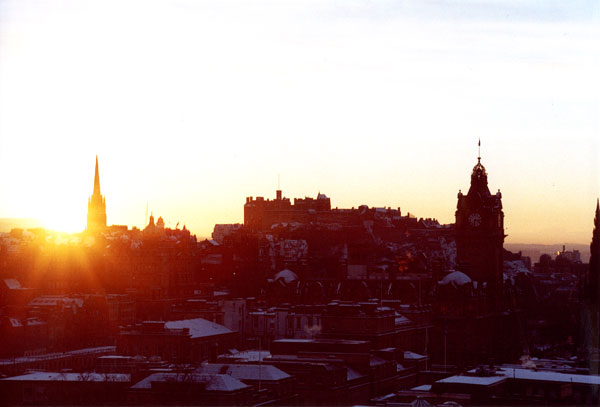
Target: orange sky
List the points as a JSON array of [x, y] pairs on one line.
[[192, 106]]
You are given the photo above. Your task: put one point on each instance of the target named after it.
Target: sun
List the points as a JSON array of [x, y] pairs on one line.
[[64, 219], [63, 225]]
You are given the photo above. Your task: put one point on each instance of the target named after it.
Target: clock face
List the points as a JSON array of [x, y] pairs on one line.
[[475, 219]]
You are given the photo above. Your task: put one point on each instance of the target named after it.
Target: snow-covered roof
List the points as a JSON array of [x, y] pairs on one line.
[[71, 377], [214, 382], [376, 361], [15, 322], [412, 355], [12, 283], [287, 275], [547, 376], [248, 355], [58, 355], [423, 387], [55, 300], [474, 380], [116, 357], [513, 267], [244, 371], [456, 278], [199, 327], [420, 402], [352, 374], [401, 320]]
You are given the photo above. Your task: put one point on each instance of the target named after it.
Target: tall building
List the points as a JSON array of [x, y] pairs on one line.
[[476, 323], [96, 217], [480, 233]]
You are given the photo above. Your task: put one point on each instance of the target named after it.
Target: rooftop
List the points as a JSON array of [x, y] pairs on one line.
[[474, 380], [321, 341], [528, 374], [199, 327], [214, 382], [244, 371], [248, 355], [71, 377]]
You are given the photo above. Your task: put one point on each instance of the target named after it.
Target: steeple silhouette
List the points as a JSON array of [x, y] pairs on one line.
[[479, 185], [593, 280], [96, 217], [97, 179]]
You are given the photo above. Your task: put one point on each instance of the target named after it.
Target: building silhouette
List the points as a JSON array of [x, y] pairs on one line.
[[480, 233], [96, 217], [592, 285], [477, 325], [261, 213]]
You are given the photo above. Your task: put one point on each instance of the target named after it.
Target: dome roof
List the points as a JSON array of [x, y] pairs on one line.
[[287, 275], [456, 279]]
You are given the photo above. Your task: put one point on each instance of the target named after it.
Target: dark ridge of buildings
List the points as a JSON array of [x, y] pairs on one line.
[[262, 214]]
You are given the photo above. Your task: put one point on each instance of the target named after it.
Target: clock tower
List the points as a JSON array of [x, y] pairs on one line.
[[480, 233]]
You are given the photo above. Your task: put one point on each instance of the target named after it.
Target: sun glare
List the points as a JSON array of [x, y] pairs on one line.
[[63, 224], [64, 220]]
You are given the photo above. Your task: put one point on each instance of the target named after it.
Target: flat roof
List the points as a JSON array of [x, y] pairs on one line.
[[474, 380], [332, 341], [548, 376], [214, 382], [199, 327], [71, 377]]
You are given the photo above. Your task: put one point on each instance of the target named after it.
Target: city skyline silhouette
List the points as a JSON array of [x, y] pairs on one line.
[[372, 104]]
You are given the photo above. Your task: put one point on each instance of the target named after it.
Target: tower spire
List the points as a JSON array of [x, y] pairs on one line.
[[479, 150], [97, 179], [96, 218]]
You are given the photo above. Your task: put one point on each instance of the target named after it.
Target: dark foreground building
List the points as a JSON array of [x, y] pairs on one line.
[[474, 320]]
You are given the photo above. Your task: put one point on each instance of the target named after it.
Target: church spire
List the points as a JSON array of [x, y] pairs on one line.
[[593, 289], [479, 150], [97, 179], [96, 218]]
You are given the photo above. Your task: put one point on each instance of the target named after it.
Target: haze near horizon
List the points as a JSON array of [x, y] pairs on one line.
[[192, 106]]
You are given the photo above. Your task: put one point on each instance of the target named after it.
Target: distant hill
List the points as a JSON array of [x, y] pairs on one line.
[[536, 250], [6, 224]]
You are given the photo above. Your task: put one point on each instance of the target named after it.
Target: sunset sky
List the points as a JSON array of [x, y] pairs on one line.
[[193, 105]]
